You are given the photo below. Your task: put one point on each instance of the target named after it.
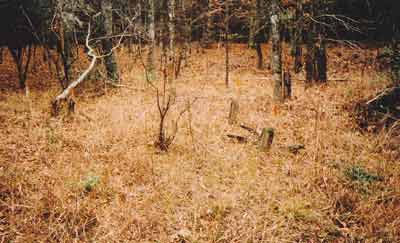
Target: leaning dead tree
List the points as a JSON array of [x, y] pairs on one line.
[[66, 94]]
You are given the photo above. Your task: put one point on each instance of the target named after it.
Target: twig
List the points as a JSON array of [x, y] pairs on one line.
[[249, 129], [383, 93], [240, 139]]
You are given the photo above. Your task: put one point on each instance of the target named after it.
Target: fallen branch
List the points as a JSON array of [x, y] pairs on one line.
[[296, 148], [240, 139], [250, 129], [386, 93]]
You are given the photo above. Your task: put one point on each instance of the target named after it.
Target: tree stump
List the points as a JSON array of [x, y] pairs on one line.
[[266, 139], [57, 106], [233, 112]]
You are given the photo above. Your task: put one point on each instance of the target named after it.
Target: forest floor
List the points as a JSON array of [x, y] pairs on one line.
[[97, 176]]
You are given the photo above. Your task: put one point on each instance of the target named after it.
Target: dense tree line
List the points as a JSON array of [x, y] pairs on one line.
[[173, 24]]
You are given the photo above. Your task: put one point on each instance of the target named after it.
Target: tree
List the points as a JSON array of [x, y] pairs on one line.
[[276, 53], [256, 31], [208, 27], [227, 17], [20, 54], [107, 29], [152, 41], [297, 37]]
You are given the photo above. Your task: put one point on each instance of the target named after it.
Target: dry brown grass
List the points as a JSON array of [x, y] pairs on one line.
[[206, 188]]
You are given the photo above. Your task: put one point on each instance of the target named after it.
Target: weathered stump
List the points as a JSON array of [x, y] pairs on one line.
[[57, 106], [233, 112], [266, 139]]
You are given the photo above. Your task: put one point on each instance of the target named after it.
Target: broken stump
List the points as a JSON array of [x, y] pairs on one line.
[[266, 139], [233, 112]]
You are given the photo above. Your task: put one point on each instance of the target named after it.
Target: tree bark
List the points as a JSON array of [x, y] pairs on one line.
[[171, 27], [316, 58], [258, 35], [287, 85], [151, 75], [297, 50], [67, 55], [207, 29], [310, 56], [321, 61], [266, 139], [227, 12], [110, 59], [18, 55], [276, 54], [233, 112], [395, 62]]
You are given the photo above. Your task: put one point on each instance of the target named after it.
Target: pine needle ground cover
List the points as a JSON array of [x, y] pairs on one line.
[[97, 176]]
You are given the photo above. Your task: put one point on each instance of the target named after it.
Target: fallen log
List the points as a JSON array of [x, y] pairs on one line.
[[238, 138], [250, 129]]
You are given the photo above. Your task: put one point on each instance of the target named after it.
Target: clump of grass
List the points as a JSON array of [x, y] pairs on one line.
[[90, 183], [359, 174]]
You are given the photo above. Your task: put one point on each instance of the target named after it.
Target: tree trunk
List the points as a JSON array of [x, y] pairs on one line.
[[110, 59], [173, 59], [151, 75], [227, 12], [316, 59], [321, 61], [276, 54], [189, 31], [260, 58], [287, 85], [309, 66], [395, 62], [65, 42], [253, 24], [258, 35], [207, 29], [297, 50], [310, 61], [67, 56], [171, 27], [18, 55]]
